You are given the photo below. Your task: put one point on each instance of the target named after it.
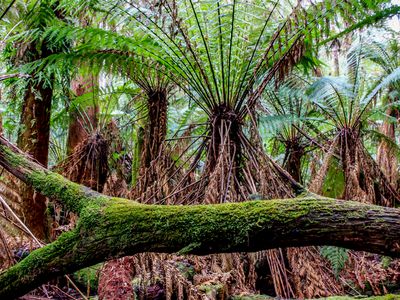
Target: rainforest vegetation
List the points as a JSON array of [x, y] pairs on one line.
[[199, 149]]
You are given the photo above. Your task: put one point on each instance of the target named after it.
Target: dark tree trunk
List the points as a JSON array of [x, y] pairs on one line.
[[225, 128], [34, 133], [35, 119], [147, 186], [33, 138], [156, 128], [292, 163]]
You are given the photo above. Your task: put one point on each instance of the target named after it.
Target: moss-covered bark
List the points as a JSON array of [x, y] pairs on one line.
[[74, 196], [113, 227]]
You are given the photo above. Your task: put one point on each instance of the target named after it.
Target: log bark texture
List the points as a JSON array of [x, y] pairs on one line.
[[114, 227]]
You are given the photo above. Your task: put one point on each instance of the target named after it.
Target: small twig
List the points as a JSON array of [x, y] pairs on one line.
[[77, 289], [8, 219], [20, 221], [65, 293], [45, 291], [186, 137], [6, 247]]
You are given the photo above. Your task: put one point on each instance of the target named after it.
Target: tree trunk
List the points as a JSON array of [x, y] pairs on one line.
[[156, 129], [335, 54], [364, 180], [33, 138], [386, 155], [115, 227], [148, 182], [292, 164], [83, 121], [222, 171]]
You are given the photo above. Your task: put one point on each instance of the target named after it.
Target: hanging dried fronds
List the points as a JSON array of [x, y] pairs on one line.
[[88, 164], [312, 274]]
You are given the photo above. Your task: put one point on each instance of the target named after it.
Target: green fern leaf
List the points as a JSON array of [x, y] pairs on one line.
[[336, 256]]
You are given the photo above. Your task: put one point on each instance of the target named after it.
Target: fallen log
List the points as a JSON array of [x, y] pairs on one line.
[[113, 227]]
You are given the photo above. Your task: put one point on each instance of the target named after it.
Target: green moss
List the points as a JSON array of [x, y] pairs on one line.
[[191, 225], [88, 277], [53, 185], [72, 195], [334, 182], [214, 291], [12, 158]]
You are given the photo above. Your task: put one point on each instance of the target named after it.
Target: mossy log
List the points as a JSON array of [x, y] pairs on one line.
[[114, 227]]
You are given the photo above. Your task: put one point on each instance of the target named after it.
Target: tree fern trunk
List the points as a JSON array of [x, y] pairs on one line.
[[386, 156], [156, 128], [293, 160], [83, 120], [150, 143], [33, 138]]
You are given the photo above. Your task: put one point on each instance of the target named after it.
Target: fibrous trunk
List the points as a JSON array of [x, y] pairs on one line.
[[153, 160], [235, 170], [292, 161], [386, 155], [83, 120], [156, 128], [87, 147], [33, 138], [363, 181], [224, 154]]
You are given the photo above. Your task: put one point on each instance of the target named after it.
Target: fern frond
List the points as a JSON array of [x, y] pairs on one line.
[[336, 256]]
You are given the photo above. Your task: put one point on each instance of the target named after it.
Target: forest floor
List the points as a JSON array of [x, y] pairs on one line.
[[263, 297]]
